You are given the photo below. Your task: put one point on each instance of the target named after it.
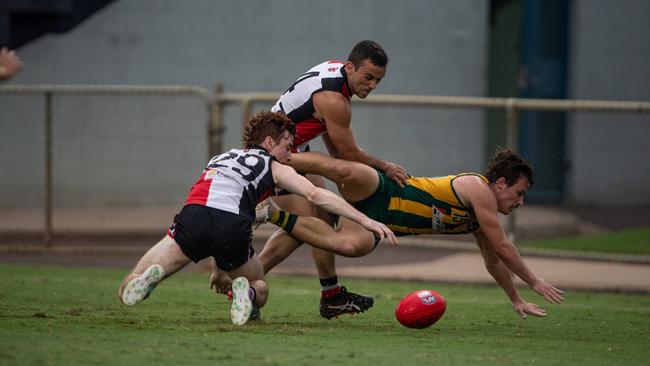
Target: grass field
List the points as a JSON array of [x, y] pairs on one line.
[[71, 316], [636, 241]]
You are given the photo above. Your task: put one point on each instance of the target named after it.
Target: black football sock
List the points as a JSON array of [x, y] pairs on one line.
[[252, 293], [329, 286], [283, 219]]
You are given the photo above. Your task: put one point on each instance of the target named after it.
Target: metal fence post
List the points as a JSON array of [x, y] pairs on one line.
[[215, 129], [512, 140], [247, 111], [47, 233]]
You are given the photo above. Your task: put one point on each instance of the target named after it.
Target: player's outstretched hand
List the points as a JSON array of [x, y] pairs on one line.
[[382, 230], [396, 173], [523, 309], [548, 291], [220, 281]]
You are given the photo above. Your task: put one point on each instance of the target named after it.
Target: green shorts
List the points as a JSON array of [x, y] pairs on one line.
[[376, 205], [398, 218]]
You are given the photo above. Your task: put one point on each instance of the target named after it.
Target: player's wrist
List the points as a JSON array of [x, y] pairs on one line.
[[383, 165]]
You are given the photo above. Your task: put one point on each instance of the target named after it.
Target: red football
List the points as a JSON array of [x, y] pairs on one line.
[[420, 309]]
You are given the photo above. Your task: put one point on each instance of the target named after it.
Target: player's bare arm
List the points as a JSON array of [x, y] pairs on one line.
[[503, 277], [495, 267], [287, 178], [329, 145], [335, 110], [479, 196]]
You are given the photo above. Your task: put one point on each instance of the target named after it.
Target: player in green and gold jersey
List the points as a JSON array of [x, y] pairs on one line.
[[453, 204]]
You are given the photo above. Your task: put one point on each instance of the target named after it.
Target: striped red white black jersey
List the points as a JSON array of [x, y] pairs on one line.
[[297, 101], [235, 181]]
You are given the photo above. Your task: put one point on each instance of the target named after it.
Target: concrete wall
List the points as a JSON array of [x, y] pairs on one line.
[[610, 53], [435, 48]]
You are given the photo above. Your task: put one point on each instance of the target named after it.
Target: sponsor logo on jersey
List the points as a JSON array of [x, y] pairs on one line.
[[436, 220]]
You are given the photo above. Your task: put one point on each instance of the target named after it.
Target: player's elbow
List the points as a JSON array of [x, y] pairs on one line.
[[314, 194], [505, 251]]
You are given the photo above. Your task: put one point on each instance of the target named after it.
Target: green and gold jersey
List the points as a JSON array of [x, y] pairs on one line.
[[423, 206]]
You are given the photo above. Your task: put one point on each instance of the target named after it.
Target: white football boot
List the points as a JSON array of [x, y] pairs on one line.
[[241, 307], [140, 287], [263, 211]]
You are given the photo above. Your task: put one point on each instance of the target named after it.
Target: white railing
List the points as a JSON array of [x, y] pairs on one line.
[[216, 100]]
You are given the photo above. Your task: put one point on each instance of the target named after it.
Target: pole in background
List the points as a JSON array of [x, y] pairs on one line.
[[47, 234], [512, 125], [215, 127]]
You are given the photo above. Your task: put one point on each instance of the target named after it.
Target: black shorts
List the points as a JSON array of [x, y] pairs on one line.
[[203, 231]]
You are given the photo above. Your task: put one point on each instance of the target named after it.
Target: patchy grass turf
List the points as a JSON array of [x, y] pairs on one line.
[[624, 242], [71, 316]]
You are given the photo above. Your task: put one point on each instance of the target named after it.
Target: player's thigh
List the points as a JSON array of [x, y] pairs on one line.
[[360, 181], [165, 253], [316, 180], [295, 204], [252, 270]]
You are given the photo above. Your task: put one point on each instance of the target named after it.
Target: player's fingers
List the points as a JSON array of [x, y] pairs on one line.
[[553, 293], [553, 298], [397, 179], [555, 289], [537, 313], [379, 231], [385, 234], [389, 233], [392, 239], [537, 310]]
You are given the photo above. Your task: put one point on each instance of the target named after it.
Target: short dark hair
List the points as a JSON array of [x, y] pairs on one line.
[[267, 124], [510, 165], [368, 50]]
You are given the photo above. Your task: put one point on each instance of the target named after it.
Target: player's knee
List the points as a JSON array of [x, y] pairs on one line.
[[355, 248], [261, 292]]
